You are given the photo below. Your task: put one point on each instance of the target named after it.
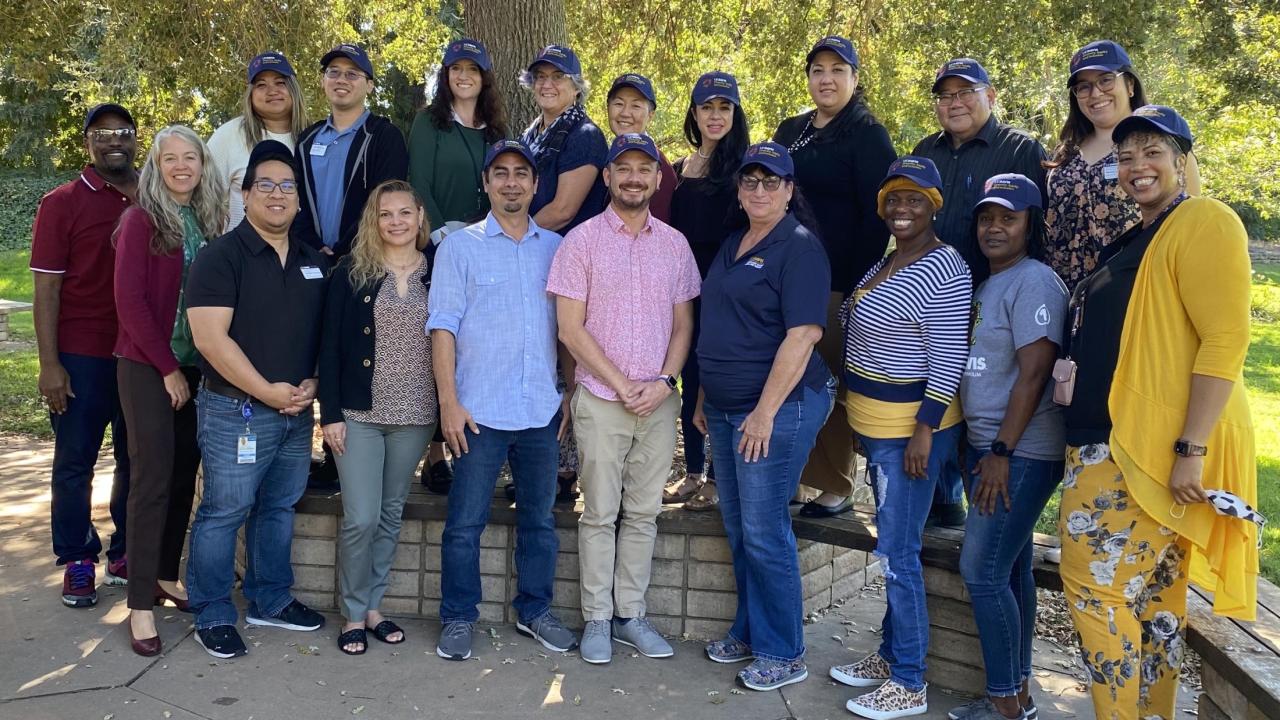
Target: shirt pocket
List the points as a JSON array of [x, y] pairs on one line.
[[491, 280]]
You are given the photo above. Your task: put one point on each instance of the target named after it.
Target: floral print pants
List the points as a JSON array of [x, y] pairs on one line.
[[1125, 578]]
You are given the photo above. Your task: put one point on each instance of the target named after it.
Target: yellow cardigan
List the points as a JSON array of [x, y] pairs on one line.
[[1189, 313]]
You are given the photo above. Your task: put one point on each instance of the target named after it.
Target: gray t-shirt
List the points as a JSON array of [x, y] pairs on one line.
[[1013, 309]]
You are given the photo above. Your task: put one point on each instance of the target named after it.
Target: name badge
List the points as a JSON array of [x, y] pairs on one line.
[[318, 150], [247, 449], [1110, 171], [311, 272]]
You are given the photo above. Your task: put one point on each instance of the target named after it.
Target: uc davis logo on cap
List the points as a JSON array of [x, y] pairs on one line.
[[763, 150], [1150, 111], [996, 183], [1089, 54], [833, 41], [551, 51], [909, 164]]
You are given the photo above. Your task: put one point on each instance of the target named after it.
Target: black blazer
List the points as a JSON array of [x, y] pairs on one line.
[[346, 344]]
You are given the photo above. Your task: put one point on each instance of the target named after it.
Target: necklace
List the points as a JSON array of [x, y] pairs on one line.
[[699, 152], [806, 135], [402, 269]]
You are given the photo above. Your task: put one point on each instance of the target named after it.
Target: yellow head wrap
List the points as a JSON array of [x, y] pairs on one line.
[[899, 182]]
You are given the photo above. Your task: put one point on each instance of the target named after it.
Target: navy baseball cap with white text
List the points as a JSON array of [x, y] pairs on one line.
[[270, 60]]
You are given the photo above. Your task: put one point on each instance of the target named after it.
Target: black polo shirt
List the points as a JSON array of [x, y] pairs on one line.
[[748, 305], [277, 309], [996, 149]]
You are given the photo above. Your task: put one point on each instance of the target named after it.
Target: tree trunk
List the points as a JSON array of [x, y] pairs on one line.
[[514, 31]]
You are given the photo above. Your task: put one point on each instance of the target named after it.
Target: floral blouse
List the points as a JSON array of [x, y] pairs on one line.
[[1087, 211]]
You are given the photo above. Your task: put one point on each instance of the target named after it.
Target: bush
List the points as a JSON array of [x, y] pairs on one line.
[[20, 192]]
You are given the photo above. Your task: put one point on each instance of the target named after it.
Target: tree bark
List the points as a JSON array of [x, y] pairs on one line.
[[514, 31]]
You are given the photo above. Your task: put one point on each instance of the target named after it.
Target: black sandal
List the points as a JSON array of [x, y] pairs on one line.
[[386, 629], [353, 637], [565, 494]]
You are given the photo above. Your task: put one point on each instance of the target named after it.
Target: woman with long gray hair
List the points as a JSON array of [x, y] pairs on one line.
[[180, 207], [272, 108]]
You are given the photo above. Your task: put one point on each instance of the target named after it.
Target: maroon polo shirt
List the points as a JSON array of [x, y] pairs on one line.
[[71, 237]]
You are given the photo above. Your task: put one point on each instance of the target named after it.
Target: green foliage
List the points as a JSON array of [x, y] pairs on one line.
[[20, 192]]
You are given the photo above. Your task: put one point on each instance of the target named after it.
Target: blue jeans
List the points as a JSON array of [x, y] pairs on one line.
[[754, 500], [258, 495], [902, 506], [77, 439], [950, 489], [996, 566], [533, 454]]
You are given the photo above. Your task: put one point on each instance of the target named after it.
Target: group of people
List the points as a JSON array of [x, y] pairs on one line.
[[556, 303]]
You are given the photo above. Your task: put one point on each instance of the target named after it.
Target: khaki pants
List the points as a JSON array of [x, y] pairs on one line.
[[832, 462], [623, 459]]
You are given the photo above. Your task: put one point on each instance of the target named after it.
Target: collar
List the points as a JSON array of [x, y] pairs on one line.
[[986, 135], [785, 228], [617, 224], [252, 240], [458, 120], [89, 176], [359, 123], [493, 229]]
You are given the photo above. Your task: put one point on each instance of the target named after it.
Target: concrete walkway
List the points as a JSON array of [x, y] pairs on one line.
[[64, 664]]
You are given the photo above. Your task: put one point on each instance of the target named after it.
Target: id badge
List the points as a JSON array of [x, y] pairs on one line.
[[1110, 171], [318, 150], [246, 449], [311, 272]]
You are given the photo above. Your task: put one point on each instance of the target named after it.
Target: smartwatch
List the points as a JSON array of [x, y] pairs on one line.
[[1186, 449], [1000, 449], [670, 380]]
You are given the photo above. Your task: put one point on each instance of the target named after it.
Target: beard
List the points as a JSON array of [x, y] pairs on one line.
[[512, 207], [625, 200]]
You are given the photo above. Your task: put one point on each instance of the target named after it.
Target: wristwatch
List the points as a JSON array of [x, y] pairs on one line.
[[1186, 449], [670, 380], [1000, 449]]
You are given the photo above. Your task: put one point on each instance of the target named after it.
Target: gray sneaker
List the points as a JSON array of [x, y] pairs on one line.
[[640, 634], [455, 641], [984, 709], [547, 630], [597, 647]]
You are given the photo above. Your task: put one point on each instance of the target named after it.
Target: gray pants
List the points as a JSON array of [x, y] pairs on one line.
[[375, 473]]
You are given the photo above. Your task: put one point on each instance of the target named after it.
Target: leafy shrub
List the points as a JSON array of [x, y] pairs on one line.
[[20, 192]]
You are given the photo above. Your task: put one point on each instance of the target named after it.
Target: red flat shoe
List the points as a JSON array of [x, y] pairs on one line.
[[146, 647], [179, 603]]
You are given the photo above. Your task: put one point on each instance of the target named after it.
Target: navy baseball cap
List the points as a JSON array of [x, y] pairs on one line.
[[716, 84], [838, 45], [772, 157], [98, 111], [506, 146], [1103, 55], [633, 141], [264, 151], [919, 170], [1161, 118], [640, 83], [1011, 190], [270, 60], [354, 53], [467, 49], [963, 68], [561, 57]]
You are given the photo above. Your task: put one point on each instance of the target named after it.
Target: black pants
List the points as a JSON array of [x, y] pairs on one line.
[[163, 459]]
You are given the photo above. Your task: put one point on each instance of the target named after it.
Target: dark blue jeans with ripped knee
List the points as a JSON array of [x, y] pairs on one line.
[[902, 506]]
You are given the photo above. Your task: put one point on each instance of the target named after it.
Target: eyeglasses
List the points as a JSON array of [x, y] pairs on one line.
[[749, 184], [1104, 83], [266, 187], [554, 77], [105, 134], [348, 75], [965, 96]]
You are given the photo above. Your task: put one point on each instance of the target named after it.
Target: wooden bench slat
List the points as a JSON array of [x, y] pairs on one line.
[[1251, 666]]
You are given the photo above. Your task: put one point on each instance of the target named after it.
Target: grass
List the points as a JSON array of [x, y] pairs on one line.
[[21, 410]]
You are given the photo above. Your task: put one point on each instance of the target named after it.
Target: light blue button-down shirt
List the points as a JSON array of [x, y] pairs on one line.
[[489, 290], [329, 171]]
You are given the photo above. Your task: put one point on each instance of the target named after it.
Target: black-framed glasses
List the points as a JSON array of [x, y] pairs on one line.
[[266, 187], [1104, 83], [105, 134], [965, 96], [749, 183], [340, 74]]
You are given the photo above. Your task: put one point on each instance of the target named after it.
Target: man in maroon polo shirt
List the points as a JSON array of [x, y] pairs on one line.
[[73, 260]]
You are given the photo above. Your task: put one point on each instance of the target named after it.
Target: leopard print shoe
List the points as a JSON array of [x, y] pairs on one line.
[[870, 671], [889, 701]]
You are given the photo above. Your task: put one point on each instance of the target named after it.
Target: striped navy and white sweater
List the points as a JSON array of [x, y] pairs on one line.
[[907, 339]]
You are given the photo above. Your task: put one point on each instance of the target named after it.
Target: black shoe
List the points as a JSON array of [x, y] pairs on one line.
[[565, 494], [294, 616], [813, 509], [510, 491], [221, 641], [438, 478], [323, 477]]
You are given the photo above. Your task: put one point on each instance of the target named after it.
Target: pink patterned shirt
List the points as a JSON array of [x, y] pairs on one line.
[[631, 285]]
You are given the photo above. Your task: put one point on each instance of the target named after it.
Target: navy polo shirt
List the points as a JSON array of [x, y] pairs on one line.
[[748, 304]]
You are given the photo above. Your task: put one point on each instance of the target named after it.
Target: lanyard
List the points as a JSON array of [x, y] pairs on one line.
[[246, 412]]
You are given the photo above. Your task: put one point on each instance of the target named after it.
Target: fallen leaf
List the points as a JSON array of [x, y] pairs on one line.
[[168, 714], [508, 661], [320, 683], [736, 691], [620, 691], [577, 699], [493, 633], [713, 692], [717, 701], [359, 709]]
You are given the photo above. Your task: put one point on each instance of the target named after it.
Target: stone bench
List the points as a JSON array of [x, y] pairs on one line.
[[6, 308], [1240, 661], [691, 592]]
